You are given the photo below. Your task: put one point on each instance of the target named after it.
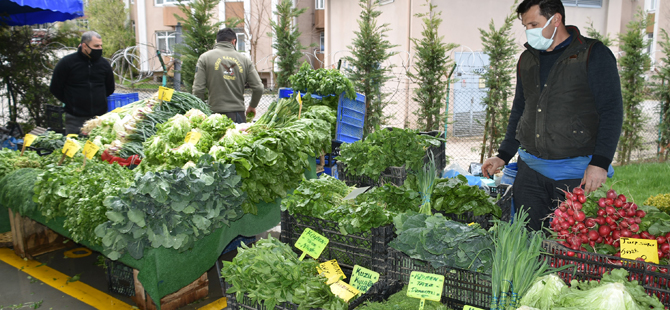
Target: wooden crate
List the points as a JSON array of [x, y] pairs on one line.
[[198, 289], [31, 238]]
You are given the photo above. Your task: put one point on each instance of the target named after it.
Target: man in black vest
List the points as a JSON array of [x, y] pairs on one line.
[[83, 80], [566, 116]]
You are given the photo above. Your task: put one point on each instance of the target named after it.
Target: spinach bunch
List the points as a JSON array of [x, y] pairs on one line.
[[50, 140], [384, 148], [454, 195], [322, 82], [77, 193], [171, 209], [442, 242], [270, 273], [395, 198]]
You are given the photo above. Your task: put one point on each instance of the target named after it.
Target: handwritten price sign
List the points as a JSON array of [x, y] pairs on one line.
[[363, 279], [332, 271], [311, 243], [632, 248]]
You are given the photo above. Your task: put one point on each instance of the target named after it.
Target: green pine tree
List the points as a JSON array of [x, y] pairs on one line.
[[662, 91], [499, 45], [432, 65], [108, 18], [593, 33], [286, 34], [634, 63], [369, 51], [199, 34]]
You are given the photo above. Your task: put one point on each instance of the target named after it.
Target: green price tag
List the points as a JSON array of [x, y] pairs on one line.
[[363, 279], [311, 243], [425, 286], [471, 308]]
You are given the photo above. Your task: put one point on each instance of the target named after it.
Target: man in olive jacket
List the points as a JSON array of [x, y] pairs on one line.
[[224, 72], [83, 80]]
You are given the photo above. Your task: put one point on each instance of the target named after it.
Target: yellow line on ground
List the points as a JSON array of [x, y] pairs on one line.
[[219, 304], [58, 280]]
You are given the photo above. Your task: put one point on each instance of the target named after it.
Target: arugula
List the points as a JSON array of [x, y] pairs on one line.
[[171, 209], [270, 273], [442, 242], [385, 148], [454, 195]]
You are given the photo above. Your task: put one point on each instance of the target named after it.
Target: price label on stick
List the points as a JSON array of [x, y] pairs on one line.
[[28, 139], [632, 248], [165, 93], [193, 137], [311, 243], [343, 290], [70, 148], [332, 271], [90, 149], [363, 279], [425, 286]]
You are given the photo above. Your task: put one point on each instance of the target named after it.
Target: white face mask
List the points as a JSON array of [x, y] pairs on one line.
[[537, 40]]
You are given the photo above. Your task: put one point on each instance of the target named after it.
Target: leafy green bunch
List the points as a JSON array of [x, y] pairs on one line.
[[384, 148], [11, 161], [397, 199], [443, 242], [454, 195], [270, 273], [50, 140], [400, 300], [172, 209], [77, 193], [322, 82]]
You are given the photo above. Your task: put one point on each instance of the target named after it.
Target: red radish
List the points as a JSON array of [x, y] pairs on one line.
[[592, 243], [571, 221], [571, 212], [577, 205], [571, 253], [626, 205], [613, 227], [615, 217], [640, 213], [626, 233], [584, 231], [611, 194], [636, 236], [624, 224], [665, 247], [633, 206], [630, 212], [604, 231], [601, 203], [645, 235], [580, 216], [600, 239], [616, 234], [593, 235], [563, 208], [661, 239], [638, 220], [578, 191], [600, 220], [660, 254], [667, 236], [590, 222], [618, 203], [585, 238], [616, 244], [630, 220], [609, 210], [621, 212], [609, 201], [608, 240], [622, 198], [601, 212], [663, 270], [609, 220]]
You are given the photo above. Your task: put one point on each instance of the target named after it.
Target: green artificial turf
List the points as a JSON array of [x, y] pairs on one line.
[[641, 181]]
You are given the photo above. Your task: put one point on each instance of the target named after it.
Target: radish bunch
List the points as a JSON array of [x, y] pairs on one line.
[[581, 222]]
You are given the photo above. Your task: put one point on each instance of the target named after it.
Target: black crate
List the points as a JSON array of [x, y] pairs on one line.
[[120, 278], [380, 291], [461, 287], [438, 152], [485, 221], [591, 266], [351, 180], [366, 249], [54, 118]]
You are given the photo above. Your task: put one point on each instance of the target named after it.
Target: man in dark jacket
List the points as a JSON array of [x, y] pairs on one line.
[[83, 81], [566, 116]]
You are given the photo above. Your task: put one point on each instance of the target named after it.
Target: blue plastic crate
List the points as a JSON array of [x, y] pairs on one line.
[[237, 242], [118, 100], [350, 118]]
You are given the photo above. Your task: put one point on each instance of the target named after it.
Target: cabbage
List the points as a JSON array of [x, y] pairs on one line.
[[604, 297], [195, 116], [233, 139], [205, 142], [216, 124], [543, 293], [155, 149], [175, 129], [183, 154]]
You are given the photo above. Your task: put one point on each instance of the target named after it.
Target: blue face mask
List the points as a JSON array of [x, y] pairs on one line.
[[537, 40]]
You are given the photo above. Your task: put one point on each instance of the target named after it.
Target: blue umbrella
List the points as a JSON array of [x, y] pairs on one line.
[[30, 12]]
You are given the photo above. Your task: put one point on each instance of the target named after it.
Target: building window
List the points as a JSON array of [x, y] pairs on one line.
[[584, 3], [319, 5], [165, 41], [650, 40], [651, 5], [382, 2], [241, 43], [170, 2], [322, 42]]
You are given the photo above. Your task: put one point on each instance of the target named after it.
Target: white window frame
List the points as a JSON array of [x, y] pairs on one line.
[[165, 35], [583, 3], [243, 41], [319, 4], [322, 42], [383, 2], [651, 5], [169, 2]]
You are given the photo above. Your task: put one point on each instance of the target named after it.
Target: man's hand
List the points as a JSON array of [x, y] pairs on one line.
[[250, 109], [594, 177], [491, 166]]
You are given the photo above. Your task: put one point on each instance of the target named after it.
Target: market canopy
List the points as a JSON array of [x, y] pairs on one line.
[[30, 12]]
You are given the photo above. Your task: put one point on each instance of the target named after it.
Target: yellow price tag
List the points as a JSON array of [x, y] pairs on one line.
[[90, 149], [70, 148], [466, 307], [311, 243], [632, 248], [332, 271], [118, 110], [165, 93], [73, 135], [363, 279], [193, 137], [28, 139], [343, 290], [299, 98], [425, 286]]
